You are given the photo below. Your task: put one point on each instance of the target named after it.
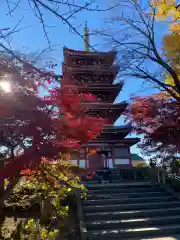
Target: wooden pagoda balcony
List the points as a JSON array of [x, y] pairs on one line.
[[104, 92]]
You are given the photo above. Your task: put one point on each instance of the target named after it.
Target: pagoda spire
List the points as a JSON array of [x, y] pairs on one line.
[[86, 37]]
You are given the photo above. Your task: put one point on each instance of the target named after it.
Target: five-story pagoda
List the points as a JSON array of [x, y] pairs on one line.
[[95, 73]]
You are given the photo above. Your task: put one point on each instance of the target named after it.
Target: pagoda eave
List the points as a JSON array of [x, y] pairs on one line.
[[112, 128], [111, 112], [113, 143], [119, 135], [99, 106], [108, 95], [110, 54], [114, 132], [111, 91], [102, 87], [77, 69]]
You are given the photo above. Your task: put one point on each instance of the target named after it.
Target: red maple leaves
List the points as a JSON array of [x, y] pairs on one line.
[[158, 119], [43, 127]]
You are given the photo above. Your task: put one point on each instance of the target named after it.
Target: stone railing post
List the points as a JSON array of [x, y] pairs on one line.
[[163, 177], [80, 213], [158, 175]]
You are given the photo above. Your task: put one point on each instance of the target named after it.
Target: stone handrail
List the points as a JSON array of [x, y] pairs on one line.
[[80, 214], [166, 178]]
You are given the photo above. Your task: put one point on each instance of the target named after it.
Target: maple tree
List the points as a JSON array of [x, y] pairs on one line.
[[157, 118], [45, 128], [51, 125], [153, 60]]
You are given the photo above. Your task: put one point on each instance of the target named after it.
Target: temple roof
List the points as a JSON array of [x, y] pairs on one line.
[[113, 128], [89, 78], [98, 69], [110, 92], [106, 110], [115, 132], [110, 54], [126, 141], [104, 105], [102, 87]]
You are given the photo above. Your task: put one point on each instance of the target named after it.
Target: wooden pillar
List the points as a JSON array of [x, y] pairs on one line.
[[78, 162], [106, 163], [113, 157], [86, 158], [129, 154]]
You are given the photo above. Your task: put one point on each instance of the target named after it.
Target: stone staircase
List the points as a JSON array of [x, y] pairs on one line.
[[131, 211]]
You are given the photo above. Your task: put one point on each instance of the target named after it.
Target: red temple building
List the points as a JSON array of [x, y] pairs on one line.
[[98, 72]]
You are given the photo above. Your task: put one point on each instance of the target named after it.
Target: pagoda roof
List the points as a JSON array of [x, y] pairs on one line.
[[115, 132], [87, 78], [113, 128], [115, 88], [98, 106], [106, 110], [111, 91], [105, 106], [68, 51], [98, 69], [114, 143]]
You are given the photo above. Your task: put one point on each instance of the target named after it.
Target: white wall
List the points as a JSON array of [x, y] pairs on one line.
[[122, 161]]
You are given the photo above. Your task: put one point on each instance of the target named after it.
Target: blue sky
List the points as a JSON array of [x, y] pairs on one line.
[[30, 39]]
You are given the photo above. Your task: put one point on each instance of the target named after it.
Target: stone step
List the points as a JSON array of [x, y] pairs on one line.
[[118, 185], [128, 200], [172, 210], [134, 206], [133, 222], [125, 190], [128, 233], [125, 195], [166, 237]]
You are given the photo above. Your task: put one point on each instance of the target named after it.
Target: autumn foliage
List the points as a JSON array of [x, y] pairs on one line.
[[158, 119], [170, 10], [43, 127]]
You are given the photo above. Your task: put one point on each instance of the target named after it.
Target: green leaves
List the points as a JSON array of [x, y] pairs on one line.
[[49, 235], [51, 197], [44, 186], [30, 224]]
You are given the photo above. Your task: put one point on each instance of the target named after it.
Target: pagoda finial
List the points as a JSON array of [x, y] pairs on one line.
[[86, 37], [113, 47]]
